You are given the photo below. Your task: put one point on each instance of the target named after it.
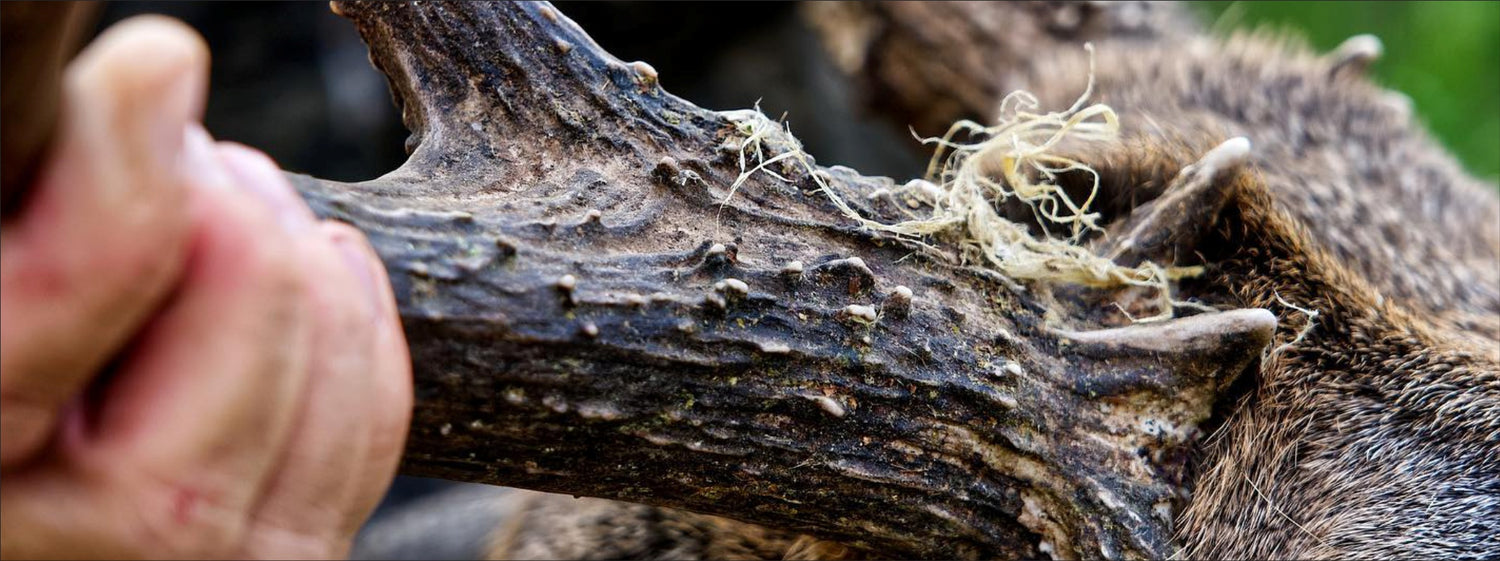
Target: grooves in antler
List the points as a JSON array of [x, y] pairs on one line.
[[586, 315]]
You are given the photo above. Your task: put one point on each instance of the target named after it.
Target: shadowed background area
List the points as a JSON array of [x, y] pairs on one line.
[[292, 79]]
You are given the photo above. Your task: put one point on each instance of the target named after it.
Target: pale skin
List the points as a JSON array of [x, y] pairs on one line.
[[191, 364]]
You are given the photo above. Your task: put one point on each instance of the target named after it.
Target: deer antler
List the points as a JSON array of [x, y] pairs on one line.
[[591, 312]]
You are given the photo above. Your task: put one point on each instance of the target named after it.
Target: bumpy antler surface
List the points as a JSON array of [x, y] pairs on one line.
[[587, 314]]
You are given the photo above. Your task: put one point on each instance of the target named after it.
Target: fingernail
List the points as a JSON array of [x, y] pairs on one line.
[[257, 175], [358, 261], [174, 105], [198, 163]]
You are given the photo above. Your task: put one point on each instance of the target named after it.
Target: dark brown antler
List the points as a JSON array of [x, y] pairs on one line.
[[590, 311]]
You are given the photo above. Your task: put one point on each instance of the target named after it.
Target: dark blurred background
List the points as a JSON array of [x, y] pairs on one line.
[[292, 79]]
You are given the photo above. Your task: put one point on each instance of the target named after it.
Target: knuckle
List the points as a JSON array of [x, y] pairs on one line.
[[271, 260], [340, 230], [391, 406], [264, 270], [394, 426], [351, 271], [284, 276], [387, 442], [273, 269], [343, 327]]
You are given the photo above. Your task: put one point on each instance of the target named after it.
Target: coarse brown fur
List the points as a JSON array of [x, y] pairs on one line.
[[561, 527], [1375, 432]]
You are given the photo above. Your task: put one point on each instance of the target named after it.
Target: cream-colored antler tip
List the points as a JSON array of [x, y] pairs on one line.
[[1364, 47], [1228, 154]]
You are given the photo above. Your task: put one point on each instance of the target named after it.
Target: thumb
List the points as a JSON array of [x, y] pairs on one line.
[[104, 238]]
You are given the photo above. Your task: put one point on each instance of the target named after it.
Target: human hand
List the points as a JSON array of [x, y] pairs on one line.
[[191, 365]]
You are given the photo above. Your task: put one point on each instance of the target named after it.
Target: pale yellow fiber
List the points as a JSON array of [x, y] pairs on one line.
[[968, 180]]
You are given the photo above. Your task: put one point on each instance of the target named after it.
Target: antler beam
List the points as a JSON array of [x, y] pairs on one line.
[[591, 310]]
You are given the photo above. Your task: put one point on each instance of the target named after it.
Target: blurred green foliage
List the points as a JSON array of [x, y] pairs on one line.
[[1445, 55]]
